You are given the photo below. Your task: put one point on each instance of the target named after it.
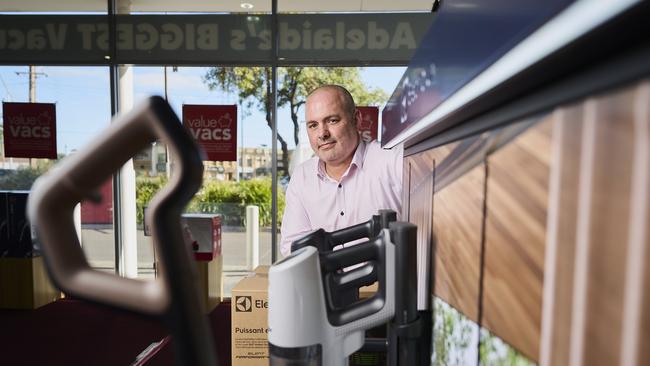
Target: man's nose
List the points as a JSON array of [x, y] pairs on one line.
[[323, 132]]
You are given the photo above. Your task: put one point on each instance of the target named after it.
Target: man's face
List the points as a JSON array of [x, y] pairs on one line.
[[332, 131]]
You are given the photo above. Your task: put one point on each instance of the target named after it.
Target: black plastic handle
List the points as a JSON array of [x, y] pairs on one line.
[[374, 252], [326, 241], [173, 296]]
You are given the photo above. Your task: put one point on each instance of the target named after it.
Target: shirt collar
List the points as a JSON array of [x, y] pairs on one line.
[[357, 160]]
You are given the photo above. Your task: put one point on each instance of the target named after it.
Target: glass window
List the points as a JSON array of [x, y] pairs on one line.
[[370, 86], [80, 99], [495, 352], [455, 337]]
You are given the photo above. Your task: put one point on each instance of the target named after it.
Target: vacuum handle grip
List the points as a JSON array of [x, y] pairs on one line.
[[378, 307], [365, 275], [55, 195], [326, 241], [369, 229], [349, 256], [354, 232]]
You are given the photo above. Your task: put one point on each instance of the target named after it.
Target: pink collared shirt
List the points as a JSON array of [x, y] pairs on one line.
[[373, 181]]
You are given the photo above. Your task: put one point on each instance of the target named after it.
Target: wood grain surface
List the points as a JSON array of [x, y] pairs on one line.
[[457, 224], [419, 211], [517, 195], [561, 236]]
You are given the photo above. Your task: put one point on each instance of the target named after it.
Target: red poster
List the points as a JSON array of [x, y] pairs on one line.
[[29, 130], [215, 128], [369, 123]]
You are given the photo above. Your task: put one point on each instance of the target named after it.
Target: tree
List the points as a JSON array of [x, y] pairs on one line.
[[253, 86]]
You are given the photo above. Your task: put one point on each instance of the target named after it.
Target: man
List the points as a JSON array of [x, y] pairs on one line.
[[348, 180]]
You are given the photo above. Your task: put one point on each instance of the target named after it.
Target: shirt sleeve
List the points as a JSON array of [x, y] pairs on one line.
[[295, 222]]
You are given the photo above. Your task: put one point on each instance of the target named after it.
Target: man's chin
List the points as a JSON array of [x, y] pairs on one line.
[[326, 157]]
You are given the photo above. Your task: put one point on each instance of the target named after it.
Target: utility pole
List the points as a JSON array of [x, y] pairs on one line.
[[170, 163], [32, 81], [32, 87]]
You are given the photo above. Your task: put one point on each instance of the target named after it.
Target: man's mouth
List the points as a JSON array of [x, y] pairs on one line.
[[326, 145]]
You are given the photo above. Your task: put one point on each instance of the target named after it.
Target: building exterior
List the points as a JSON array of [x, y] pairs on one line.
[[254, 162]]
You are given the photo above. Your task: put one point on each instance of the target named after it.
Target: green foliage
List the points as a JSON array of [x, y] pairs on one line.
[[23, 178], [454, 343], [145, 189], [494, 352], [452, 335], [250, 192], [224, 197]]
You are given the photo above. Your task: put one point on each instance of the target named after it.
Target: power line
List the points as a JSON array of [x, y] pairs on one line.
[[11, 97]]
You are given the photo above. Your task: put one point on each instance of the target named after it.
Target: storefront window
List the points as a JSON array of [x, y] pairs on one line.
[[80, 111]]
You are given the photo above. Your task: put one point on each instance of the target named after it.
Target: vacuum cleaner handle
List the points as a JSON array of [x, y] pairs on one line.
[[326, 241], [379, 253], [173, 296]]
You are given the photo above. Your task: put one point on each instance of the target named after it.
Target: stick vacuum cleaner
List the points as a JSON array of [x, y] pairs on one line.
[[306, 327], [349, 282]]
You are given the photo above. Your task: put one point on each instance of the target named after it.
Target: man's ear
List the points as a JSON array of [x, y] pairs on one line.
[[357, 118]]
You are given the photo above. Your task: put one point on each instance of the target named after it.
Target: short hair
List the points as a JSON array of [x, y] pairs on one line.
[[350, 107]]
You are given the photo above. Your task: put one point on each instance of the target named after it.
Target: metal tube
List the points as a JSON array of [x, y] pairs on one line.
[[274, 132], [114, 90], [403, 346]]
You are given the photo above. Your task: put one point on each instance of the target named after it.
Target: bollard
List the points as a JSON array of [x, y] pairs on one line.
[[77, 221], [252, 237]]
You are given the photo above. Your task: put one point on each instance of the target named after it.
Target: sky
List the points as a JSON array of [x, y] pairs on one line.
[[81, 95]]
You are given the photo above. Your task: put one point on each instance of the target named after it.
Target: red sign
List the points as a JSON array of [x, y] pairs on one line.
[[215, 128], [368, 126], [29, 130]]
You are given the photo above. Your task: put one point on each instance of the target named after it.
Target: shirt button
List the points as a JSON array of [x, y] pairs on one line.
[[342, 213], [340, 185]]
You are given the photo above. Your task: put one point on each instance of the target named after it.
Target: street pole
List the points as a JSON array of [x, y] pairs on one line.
[[32, 87], [32, 84]]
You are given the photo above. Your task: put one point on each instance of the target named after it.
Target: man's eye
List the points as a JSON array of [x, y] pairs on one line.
[[333, 120], [311, 126]]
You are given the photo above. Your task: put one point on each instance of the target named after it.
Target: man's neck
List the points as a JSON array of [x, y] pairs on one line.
[[336, 170]]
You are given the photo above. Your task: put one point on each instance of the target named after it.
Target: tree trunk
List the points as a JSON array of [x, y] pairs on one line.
[[267, 107]]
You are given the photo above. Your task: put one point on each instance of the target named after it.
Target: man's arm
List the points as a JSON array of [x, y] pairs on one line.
[[295, 222]]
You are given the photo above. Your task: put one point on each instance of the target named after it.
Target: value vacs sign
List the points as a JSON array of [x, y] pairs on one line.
[[215, 129], [368, 126], [217, 38], [29, 130]]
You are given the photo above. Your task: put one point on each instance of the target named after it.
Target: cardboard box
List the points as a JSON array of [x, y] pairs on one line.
[[250, 327], [24, 284], [210, 282], [368, 291], [262, 270]]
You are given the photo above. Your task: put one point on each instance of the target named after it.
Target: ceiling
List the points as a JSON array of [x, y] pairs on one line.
[[228, 6]]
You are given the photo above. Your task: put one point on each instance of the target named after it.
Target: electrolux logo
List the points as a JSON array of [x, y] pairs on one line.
[[243, 304]]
